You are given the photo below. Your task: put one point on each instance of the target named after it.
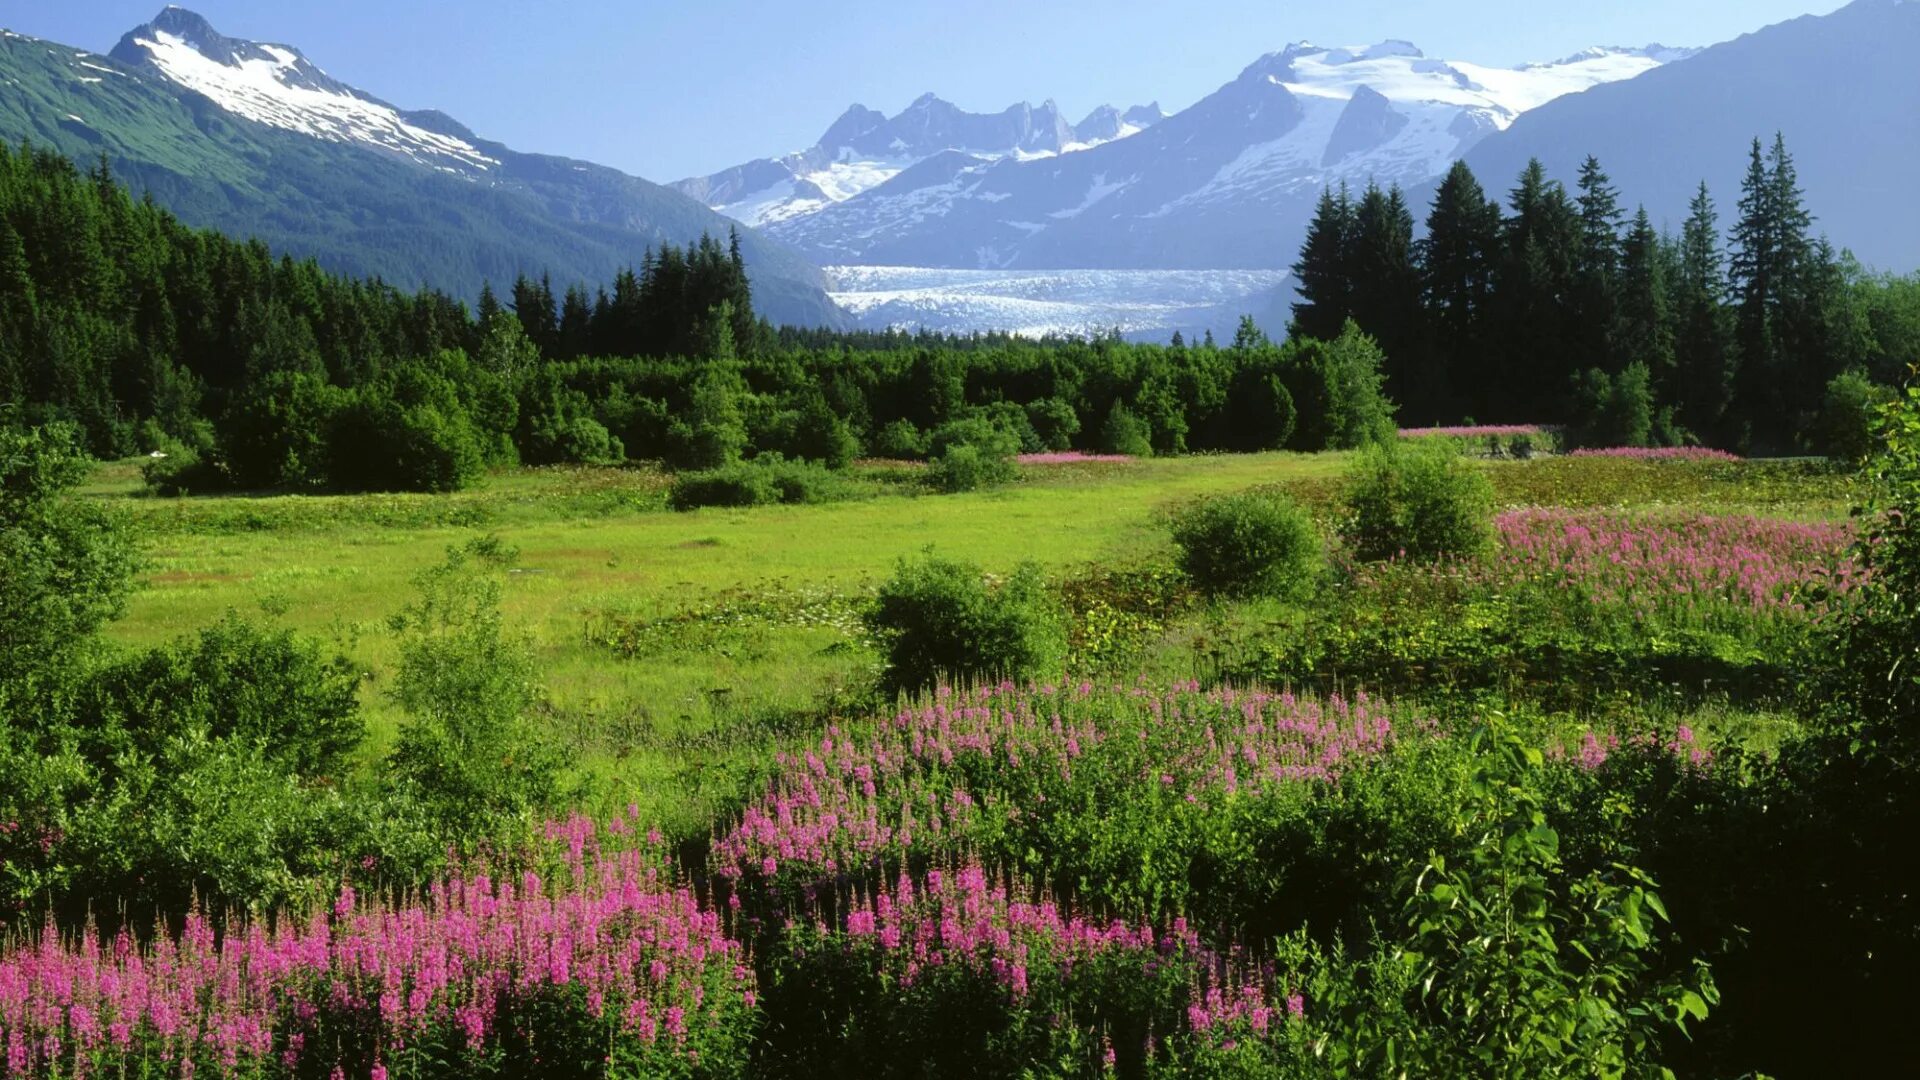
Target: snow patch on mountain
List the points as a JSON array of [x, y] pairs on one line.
[[275, 85], [865, 149]]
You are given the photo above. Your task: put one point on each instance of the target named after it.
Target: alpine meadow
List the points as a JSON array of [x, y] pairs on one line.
[[1390, 567]]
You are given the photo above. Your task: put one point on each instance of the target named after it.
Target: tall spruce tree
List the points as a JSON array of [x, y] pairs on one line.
[[1323, 273], [1768, 269], [1645, 325], [1534, 291], [1457, 260], [1704, 353], [1597, 299], [1386, 298]]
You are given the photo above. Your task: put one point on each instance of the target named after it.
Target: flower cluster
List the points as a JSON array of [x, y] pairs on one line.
[[1481, 431], [1069, 457], [919, 782], [961, 921], [648, 962], [1660, 453], [1684, 564]]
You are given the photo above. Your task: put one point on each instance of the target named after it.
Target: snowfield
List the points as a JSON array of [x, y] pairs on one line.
[[1036, 303]]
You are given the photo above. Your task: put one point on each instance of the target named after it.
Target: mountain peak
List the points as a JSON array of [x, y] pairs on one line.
[[277, 86]]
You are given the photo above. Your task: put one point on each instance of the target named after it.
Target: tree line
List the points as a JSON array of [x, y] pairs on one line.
[[1558, 307], [250, 370]]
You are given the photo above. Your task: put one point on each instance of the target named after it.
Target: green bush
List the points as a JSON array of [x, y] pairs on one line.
[[232, 681], [1850, 416], [557, 427], [1249, 545], [1054, 422], [939, 619], [66, 565], [966, 467], [1418, 502], [900, 440], [763, 481], [1124, 433], [469, 752]]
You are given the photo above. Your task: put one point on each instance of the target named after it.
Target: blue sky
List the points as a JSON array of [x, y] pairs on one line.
[[670, 88]]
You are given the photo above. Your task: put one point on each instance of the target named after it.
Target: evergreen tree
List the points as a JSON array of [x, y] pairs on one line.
[[1534, 289], [1645, 325], [1703, 347], [1768, 270], [1386, 296], [1597, 301], [1457, 259], [1324, 272]]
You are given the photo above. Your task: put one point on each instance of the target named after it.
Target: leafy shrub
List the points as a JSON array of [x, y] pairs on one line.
[[900, 439], [820, 436], [232, 681], [1419, 501], [1249, 545], [763, 481], [940, 619], [1054, 422], [557, 426], [181, 472], [1850, 416], [967, 467], [1509, 957], [1125, 433], [66, 565], [468, 751]]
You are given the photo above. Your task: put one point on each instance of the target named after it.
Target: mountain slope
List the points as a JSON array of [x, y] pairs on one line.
[[1227, 183], [254, 140], [865, 148], [1842, 88]]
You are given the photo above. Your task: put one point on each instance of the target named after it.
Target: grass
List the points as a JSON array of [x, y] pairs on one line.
[[677, 723]]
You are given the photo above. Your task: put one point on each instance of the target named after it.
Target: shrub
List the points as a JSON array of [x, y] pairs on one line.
[[1423, 502], [1125, 433], [765, 480], [1850, 416], [966, 467], [233, 681], [66, 565], [972, 454], [941, 619], [1249, 545], [1054, 422], [900, 439], [557, 426], [820, 436], [468, 752]]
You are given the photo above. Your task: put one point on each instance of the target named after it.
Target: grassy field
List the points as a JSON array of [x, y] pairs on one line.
[[748, 618]]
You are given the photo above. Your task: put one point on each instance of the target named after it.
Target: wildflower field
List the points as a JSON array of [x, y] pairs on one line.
[[547, 779]]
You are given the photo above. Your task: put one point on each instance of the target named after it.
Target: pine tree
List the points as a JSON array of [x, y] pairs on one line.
[[1322, 274], [1597, 301], [1703, 347], [1645, 323], [1457, 260], [1386, 297], [1533, 295], [1768, 271]]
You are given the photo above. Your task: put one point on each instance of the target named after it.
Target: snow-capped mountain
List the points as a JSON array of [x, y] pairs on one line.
[[864, 148], [1225, 183], [256, 139], [277, 86]]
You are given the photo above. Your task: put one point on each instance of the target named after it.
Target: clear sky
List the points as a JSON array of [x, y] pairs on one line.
[[671, 88]]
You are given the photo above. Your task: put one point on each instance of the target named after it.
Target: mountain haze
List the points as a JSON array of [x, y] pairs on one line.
[[1843, 88]]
